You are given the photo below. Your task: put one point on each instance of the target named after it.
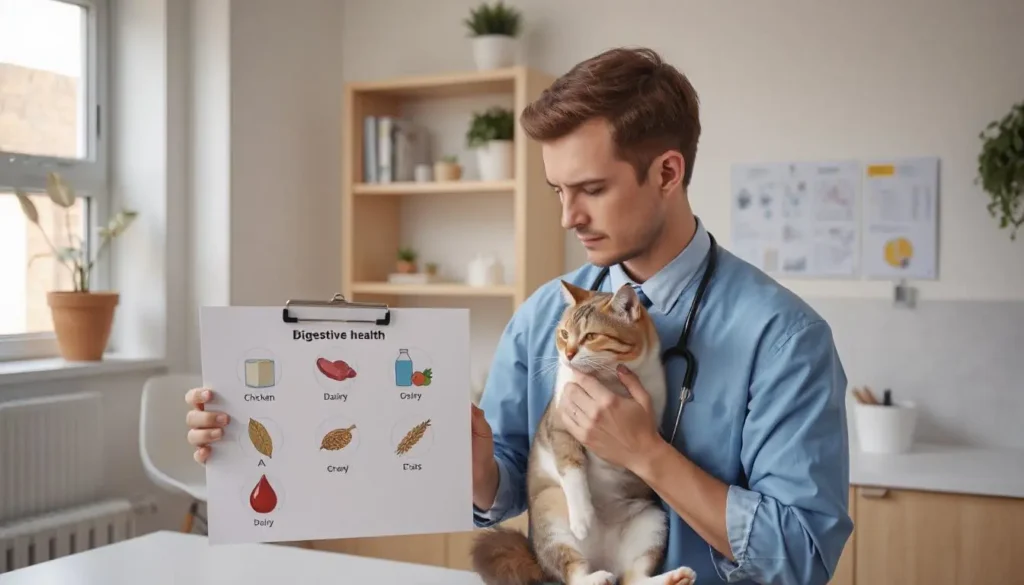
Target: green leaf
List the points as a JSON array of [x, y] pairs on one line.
[[27, 207], [498, 19], [496, 123], [1000, 168], [59, 191]]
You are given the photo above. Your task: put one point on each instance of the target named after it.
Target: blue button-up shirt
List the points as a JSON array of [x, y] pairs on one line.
[[767, 416]]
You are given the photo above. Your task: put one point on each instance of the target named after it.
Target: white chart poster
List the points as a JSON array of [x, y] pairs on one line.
[[901, 226], [338, 429], [797, 219]]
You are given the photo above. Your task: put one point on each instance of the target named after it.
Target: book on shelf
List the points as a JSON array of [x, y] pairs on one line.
[[392, 148]]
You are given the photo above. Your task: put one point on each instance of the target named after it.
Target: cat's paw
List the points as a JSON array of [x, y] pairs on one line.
[[680, 576], [581, 518], [595, 578]]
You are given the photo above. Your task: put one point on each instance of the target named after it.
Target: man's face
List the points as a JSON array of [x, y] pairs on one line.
[[614, 217]]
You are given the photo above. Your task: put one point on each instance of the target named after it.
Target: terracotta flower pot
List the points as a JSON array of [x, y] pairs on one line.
[[405, 267], [82, 322], [447, 171]]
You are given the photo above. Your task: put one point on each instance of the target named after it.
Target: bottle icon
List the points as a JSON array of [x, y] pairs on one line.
[[403, 368]]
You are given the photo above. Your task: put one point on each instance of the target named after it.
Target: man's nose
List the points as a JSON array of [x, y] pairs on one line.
[[571, 214]]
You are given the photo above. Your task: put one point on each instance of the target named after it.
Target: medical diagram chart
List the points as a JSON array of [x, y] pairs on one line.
[[876, 219], [338, 429], [901, 218], [798, 218]]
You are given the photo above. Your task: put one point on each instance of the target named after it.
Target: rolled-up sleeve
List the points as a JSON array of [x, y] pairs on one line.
[[790, 523], [505, 407]]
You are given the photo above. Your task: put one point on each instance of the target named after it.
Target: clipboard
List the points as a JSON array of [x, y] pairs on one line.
[[369, 404], [296, 311]]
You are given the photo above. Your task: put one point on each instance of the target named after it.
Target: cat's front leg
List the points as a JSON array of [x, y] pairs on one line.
[[571, 462]]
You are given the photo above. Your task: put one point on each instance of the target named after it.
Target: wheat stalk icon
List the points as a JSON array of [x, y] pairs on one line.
[[412, 437]]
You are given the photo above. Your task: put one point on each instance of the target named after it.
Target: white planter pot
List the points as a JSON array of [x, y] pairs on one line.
[[494, 160], [494, 51]]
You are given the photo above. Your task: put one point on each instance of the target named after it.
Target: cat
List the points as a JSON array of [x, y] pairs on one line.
[[592, 522]]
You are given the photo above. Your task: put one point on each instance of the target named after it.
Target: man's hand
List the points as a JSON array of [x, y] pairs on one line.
[[485, 468], [619, 430]]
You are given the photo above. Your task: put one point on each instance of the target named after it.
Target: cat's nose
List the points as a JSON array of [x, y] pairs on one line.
[[570, 352]]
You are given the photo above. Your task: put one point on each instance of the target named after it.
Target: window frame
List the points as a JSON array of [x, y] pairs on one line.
[[90, 175]]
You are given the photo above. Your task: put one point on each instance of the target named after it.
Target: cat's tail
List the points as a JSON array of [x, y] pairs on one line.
[[503, 556]]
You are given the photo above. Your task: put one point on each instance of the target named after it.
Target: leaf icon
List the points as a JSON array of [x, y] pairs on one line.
[[260, 438]]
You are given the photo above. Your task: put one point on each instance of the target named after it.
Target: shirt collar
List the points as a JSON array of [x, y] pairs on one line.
[[668, 284]]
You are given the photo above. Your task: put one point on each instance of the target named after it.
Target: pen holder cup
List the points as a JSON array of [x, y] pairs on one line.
[[886, 429]]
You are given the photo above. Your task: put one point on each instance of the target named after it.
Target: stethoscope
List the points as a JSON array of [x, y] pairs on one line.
[[681, 348]]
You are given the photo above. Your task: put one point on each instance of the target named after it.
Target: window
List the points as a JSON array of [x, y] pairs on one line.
[[52, 98]]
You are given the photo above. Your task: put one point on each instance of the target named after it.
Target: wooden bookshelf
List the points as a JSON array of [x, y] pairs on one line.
[[372, 233]]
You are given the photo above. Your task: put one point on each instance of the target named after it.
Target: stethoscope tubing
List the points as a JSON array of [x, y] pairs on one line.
[[681, 348]]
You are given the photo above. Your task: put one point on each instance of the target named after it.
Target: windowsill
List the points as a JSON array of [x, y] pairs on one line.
[[44, 370]]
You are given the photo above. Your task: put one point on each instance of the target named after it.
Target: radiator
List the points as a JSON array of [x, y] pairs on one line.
[[57, 534], [51, 454]]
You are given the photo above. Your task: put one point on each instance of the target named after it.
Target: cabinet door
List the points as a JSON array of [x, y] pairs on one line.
[[910, 537]]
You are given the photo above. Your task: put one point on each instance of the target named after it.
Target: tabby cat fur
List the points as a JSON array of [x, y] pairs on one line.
[[591, 522]]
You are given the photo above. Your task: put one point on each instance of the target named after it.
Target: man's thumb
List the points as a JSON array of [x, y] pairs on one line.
[[633, 386]]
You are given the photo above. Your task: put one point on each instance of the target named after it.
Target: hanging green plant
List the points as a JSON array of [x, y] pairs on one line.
[[1001, 168]]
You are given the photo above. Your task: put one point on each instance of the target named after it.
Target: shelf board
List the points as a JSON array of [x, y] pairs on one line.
[[434, 187], [439, 289], [465, 83]]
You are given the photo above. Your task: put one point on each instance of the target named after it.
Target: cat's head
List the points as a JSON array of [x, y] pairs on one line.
[[600, 330]]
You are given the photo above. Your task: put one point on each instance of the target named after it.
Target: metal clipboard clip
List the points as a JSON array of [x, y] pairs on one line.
[[295, 311]]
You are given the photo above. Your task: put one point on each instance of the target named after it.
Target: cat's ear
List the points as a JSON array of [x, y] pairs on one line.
[[625, 302], [574, 294]]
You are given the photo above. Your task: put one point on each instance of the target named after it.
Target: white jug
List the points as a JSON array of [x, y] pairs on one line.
[[485, 270]]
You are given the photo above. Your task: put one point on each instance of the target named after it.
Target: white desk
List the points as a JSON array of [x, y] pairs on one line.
[[171, 558]]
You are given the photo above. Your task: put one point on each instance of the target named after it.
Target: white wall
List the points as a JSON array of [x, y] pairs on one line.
[[266, 134], [777, 81]]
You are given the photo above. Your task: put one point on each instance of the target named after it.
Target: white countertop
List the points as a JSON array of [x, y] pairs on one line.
[[171, 558], [942, 468]]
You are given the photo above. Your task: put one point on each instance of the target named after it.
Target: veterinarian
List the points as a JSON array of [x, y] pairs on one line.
[[755, 474], [756, 478]]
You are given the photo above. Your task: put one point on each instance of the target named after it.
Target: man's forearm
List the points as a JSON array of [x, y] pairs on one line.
[[698, 498], [485, 484]]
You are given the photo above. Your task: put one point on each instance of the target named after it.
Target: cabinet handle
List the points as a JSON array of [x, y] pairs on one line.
[[874, 492]]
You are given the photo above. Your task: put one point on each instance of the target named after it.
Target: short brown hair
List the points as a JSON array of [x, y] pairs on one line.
[[650, 105]]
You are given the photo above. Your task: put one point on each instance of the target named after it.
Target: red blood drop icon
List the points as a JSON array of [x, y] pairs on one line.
[[263, 499]]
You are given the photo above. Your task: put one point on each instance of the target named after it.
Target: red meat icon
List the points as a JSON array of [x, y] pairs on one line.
[[336, 370]]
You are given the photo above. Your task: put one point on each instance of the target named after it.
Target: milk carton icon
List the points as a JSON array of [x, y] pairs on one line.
[[403, 368]]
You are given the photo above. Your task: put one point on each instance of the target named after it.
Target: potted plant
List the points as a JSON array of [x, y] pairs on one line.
[[447, 169], [490, 134], [82, 317], [406, 261], [1001, 168], [495, 31]]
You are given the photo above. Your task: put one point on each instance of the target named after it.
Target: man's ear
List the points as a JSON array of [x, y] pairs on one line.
[[574, 294], [670, 170]]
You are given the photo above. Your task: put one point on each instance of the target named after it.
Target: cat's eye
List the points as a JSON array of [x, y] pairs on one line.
[[564, 334], [589, 337]]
